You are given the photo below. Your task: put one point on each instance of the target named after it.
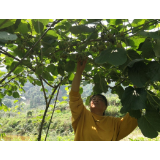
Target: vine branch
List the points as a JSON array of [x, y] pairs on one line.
[[52, 113]]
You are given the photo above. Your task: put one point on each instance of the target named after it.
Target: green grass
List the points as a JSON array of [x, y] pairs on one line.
[[60, 128]]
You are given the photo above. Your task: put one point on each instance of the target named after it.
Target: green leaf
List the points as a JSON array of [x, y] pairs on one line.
[[88, 67], [23, 28], [81, 29], [80, 90], [130, 64], [53, 69], [137, 74], [46, 75], [2, 73], [137, 22], [93, 35], [87, 100], [133, 99], [16, 95], [146, 128], [153, 71], [154, 119], [37, 82], [112, 56], [60, 70], [115, 21], [63, 102], [52, 33], [26, 63], [7, 36], [100, 84], [153, 99], [39, 70], [118, 90], [18, 70], [64, 97], [6, 22], [147, 50], [71, 77], [15, 101], [134, 42], [69, 67], [135, 113], [1, 95], [157, 48], [38, 26], [44, 89], [44, 21], [149, 34]]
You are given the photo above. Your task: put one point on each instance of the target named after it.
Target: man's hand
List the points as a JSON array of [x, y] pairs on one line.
[[81, 66], [77, 77]]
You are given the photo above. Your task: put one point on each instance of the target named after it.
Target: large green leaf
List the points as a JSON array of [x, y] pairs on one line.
[[147, 49], [38, 26], [137, 74], [93, 35], [23, 28], [88, 67], [7, 36], [69, 67], [134, 42], [137, 22], [146, 128], [114, 21], [149, 34], [153, 100], [157, 48], [37, 82], [39, 70], [153, 71], [100, 84], [135, 113], [114, 57], [154, 119], [46, 75], [71, 76], [118, 90], [18, 70], [44, 21], [133, 99], [52, 33], [81, 29], [6, 22], [131, 55]]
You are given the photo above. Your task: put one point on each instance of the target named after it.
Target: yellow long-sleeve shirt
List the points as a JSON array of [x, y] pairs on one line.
[[91, 127]]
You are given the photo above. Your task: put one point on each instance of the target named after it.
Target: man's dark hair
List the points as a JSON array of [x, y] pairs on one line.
[[103, 97]]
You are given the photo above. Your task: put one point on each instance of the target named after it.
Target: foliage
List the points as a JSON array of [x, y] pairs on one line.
[[120, 51]]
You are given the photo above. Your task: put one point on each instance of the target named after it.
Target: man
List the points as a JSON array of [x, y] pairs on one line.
[[93, 125]]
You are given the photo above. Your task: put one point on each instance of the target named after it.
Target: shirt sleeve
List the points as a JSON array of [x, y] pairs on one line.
[[76, 106], [125, 126]]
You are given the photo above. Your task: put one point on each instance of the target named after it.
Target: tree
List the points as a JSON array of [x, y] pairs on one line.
[[119, 51]]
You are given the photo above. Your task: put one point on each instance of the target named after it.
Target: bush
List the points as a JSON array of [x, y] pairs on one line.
[[14, 123], [8, 130]]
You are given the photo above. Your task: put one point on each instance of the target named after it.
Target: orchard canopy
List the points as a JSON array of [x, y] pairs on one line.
[[118, 50]]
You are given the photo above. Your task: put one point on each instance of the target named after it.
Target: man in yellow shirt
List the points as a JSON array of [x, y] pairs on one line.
[[93, 125]]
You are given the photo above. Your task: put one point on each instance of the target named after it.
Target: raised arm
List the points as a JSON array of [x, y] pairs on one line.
[[75, 100], [77, 77]]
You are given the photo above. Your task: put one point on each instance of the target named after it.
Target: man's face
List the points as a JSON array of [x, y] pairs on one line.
[[97, 104]]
